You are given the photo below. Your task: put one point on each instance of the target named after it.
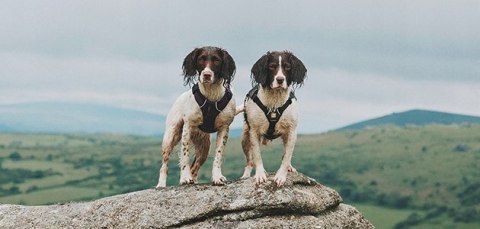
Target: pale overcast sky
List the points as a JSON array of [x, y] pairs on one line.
[[364, 58]]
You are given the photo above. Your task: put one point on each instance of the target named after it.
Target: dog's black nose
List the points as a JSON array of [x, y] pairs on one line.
[[207, 75], [280, 80]]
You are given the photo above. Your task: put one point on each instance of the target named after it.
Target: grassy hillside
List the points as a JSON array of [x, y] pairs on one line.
[[414, 117], [417, 177], [433, 169]]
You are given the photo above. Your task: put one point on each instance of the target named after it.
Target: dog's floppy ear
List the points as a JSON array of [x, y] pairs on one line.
[[260, 71], [190, 67], [228, 68], [299, 71]]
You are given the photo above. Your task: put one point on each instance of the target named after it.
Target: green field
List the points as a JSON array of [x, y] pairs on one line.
[[412, 177], [383, 217]]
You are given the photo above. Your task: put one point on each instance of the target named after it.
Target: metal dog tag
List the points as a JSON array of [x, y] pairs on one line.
[[274, 116]]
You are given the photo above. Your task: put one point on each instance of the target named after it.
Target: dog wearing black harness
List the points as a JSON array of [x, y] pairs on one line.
[[270, 111], [207, 108]]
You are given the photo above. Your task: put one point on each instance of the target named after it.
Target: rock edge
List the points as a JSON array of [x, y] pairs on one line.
[[300, 203]]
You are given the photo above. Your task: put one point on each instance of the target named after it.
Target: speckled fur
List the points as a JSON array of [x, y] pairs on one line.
[[182, 124], [256, 124], [213, 69]]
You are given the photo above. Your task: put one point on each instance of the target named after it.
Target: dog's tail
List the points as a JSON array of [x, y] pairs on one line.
[[239, 109]]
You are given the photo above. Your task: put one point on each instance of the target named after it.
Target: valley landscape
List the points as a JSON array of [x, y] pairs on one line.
[[388, 112], [398, 176]]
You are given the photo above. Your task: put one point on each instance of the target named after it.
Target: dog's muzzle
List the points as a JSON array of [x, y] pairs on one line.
[[207, 76], [279, 82]]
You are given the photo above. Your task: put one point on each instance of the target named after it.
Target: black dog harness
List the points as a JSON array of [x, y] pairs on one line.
[[210, 110], [273, 115]]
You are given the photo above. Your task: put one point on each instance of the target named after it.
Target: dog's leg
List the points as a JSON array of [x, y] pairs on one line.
[[260, 173], [247, 150], [170, 139], [222, 137], [202, 145], [185, 174], [289, 144]]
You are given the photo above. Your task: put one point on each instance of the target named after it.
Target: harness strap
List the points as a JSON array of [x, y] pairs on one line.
[[210, 109], [273, 115]]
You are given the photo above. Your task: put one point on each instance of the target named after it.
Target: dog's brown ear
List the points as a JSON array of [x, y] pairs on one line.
[[299, 71], [228, 68], [260, 71], [190, 67]]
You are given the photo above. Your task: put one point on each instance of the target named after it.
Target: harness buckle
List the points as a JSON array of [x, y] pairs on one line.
[[274, 115]]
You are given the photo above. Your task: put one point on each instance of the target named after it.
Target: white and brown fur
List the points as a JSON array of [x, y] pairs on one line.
[[277, 73], [213, 68]]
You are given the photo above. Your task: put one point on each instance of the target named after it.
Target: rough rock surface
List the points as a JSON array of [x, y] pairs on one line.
[[300, 203]]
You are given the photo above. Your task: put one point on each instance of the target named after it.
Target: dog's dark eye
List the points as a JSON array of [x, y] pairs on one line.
[[272, 66], [215, 59], [287, 67], [202, 58]]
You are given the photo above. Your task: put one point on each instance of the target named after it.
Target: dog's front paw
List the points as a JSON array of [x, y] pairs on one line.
[[186, 177], [186, 180], [159, 186], [260, 177], [219, 180], [280, 178], [217, 177], [162, 183]]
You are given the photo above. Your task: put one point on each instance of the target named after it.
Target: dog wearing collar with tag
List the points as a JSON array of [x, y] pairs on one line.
[[270, 111]]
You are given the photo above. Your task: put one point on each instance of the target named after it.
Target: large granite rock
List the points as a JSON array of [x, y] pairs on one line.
[[300, 203]]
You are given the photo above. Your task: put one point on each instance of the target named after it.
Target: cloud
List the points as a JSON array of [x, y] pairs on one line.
[[160, 30], [365, 58], [333, 98], [124, 83]]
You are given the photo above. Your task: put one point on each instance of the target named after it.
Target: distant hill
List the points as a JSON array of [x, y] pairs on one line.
[[53, 117], [414, 117]]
